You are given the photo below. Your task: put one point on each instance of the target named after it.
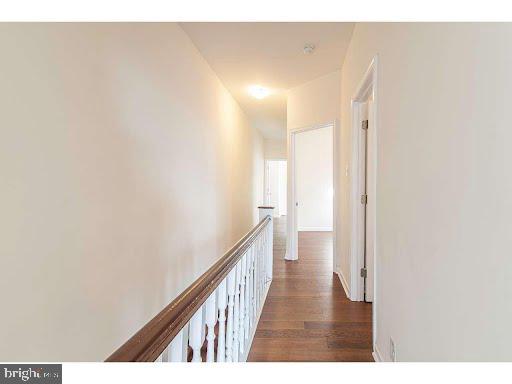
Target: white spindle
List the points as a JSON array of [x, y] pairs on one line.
[[265, 261], [241, 332], [258, 273], [262, 269], [263, 255], [176, 348], [254, 279], [236, 315], [231, 281], [211, 319], [262, 247], [247, 306], [195, 335], [221, 339], [250, 285], [270, 249]]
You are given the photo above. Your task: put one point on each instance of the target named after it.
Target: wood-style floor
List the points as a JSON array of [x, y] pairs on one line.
[[307, 316]]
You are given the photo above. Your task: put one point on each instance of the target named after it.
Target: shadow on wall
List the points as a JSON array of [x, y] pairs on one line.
[[118, 186]]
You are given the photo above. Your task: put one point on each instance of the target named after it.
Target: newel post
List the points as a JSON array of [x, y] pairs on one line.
[[269, 251]]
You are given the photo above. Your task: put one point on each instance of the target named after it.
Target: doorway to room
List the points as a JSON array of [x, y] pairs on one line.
[[314, 180], [312, 205]]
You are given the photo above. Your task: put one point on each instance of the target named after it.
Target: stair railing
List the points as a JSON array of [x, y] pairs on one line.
[[215, 318]]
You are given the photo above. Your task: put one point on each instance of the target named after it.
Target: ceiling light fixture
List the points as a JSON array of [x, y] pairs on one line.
[[258, 91], [308, 49]]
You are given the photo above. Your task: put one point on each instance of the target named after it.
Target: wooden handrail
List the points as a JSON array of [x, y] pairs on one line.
[[152, 339]]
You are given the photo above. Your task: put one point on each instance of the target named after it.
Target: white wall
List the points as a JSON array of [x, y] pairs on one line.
[[311, 104], [275, 149], [127, 170], [314, 181], [444, 273]]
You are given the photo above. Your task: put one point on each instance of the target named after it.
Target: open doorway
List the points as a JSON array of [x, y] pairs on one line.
[[275, 186], [314, 180], [312, 187]]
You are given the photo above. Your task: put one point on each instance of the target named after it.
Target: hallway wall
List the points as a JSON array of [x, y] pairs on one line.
[[311, 104], [315, 102], [444, 274], [127, 170], [275, 149]]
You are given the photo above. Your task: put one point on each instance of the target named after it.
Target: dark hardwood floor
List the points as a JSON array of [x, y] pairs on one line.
[[307, 316]]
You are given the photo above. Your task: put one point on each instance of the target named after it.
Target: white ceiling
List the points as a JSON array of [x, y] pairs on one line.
[[270, 55]]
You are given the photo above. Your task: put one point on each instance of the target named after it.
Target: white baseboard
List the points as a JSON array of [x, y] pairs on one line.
[[315, 229], [344, 283], [377, 356]]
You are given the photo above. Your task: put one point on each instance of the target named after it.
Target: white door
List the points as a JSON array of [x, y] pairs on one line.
[[368, 198], [273, 186], [370, 206]]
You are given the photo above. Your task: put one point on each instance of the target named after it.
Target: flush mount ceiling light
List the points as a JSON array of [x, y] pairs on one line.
[[308, 49], [258, 91]]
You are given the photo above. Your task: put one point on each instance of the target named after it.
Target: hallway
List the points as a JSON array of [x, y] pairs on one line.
[[307, 316]]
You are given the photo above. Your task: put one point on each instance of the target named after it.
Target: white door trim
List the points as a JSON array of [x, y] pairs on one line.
[[292, 230], [367, 87]]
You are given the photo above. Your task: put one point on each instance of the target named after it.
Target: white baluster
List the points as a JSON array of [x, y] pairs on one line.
[[241, 334], [262, 268], [176, 348], [269, 250], [195, 340], [264, 256], [231, 303], [211, 319], [250, 286], [254, 280], [270, 230], [247, 306], [264, 274], [258, 272], [265, 262], [221, 339], [236, 314]]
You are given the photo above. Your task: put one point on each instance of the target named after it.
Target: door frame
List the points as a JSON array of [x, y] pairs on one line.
[[292, 230], [367, 87]]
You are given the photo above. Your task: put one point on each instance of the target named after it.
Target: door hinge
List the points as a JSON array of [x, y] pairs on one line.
[[364, 124], [363, 272], [364, 199]]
